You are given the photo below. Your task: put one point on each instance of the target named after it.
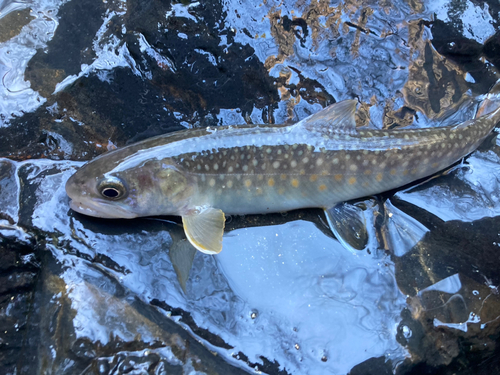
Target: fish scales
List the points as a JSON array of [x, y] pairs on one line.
[[281, 174], [318, 162]]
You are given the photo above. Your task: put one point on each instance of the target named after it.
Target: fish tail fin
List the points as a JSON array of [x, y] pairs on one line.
[[491, 104]]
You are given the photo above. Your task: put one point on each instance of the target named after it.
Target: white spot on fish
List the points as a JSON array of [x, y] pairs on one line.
[[276, 164], [212, 182]]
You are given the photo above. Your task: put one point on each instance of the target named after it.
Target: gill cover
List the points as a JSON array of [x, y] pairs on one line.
[[172, 182]]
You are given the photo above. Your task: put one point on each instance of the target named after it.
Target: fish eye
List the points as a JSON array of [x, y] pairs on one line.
[[112, 188]]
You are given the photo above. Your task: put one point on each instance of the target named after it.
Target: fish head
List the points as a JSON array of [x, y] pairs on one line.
[[155, 187]]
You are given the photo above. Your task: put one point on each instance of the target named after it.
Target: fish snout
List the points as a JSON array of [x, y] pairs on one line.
[[84, 200]]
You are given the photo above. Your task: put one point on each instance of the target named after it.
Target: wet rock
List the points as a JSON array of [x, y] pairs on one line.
[[19, 337], [13, 22], [107, 297]]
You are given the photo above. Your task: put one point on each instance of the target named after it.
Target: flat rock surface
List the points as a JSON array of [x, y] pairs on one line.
[[90, 296]]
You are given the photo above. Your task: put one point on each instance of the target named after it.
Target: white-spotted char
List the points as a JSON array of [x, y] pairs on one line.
[[200, 174]]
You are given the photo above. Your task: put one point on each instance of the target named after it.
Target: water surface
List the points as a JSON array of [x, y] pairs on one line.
[[84, 295]]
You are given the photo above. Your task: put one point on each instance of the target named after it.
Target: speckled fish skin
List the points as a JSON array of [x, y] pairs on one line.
[[317, 162]]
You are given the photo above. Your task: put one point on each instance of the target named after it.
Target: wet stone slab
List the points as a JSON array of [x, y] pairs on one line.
[[86, 295]]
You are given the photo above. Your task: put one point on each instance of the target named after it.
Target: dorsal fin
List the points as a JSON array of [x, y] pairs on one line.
[[338, 117]]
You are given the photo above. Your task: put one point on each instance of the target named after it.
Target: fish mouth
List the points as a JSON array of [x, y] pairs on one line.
[[101, 209]]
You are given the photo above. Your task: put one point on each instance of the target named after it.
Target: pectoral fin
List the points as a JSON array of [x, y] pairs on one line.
[[204, 228], [348, 224]]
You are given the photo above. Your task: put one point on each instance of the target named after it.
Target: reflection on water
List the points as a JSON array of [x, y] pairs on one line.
[[324, 307], [284, 296], [287, 293], [266, 290], [469, 194]]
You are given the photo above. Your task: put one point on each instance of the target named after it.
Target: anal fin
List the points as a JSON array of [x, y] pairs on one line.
[[400, 232]]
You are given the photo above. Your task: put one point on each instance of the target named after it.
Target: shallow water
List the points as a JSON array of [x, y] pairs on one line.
[[284, 296]]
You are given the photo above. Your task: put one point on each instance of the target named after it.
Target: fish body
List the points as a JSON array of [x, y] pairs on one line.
[[200, 174]]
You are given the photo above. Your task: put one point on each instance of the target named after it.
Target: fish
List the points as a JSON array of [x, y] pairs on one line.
[[202, 175]]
